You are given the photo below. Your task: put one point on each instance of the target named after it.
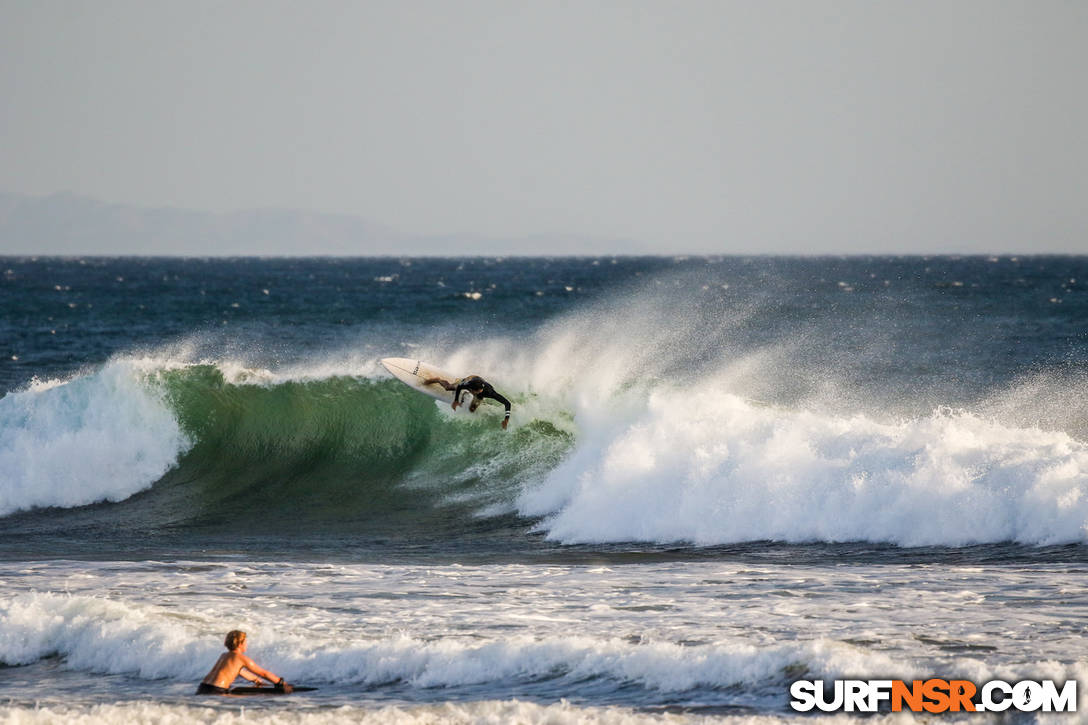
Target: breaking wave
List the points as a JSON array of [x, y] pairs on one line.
[[658, 431]]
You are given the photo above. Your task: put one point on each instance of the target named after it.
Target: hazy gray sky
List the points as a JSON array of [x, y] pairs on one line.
[[721, 126]]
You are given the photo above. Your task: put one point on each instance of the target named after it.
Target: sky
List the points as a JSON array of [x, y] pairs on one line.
[[845, 126]]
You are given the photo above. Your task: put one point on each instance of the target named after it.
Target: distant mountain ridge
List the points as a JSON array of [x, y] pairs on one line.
[[68, 224]]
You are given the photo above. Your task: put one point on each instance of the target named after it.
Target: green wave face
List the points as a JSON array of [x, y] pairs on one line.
[[341, 453]]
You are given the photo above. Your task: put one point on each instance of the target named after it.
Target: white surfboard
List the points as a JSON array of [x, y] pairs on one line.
[[413, 372]]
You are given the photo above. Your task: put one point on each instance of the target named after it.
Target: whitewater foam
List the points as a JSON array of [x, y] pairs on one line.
[[675, 634], [704, 466], [113, 637], [98, 436], [157, 642], [149, 641]]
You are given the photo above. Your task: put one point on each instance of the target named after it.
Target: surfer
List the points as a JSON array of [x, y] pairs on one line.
[[479, 388], [235, 663]]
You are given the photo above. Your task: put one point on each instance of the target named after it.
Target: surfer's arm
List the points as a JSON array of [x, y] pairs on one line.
[[457, 394], [490, 393]]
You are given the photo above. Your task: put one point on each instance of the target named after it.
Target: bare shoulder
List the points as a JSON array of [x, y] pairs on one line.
[[231, 659]]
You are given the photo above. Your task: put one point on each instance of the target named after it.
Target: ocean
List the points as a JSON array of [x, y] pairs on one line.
[[722, 475]]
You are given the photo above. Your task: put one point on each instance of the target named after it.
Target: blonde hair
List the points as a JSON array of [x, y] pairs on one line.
[[234, 639]]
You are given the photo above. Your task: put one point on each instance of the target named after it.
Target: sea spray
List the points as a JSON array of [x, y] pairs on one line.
[[684, 436]]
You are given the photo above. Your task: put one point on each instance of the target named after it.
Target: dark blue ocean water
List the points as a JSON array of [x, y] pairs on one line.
[[991, 318]]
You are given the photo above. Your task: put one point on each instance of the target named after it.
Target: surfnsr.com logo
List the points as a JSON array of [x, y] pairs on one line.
[[933, 696]]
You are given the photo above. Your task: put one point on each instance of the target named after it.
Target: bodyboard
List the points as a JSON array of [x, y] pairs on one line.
[[267, 690]]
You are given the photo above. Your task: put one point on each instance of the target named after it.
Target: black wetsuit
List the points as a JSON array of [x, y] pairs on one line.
[[473, 382], [206, 689]]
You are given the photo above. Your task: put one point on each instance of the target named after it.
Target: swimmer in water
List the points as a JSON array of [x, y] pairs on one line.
[[233, 664]]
